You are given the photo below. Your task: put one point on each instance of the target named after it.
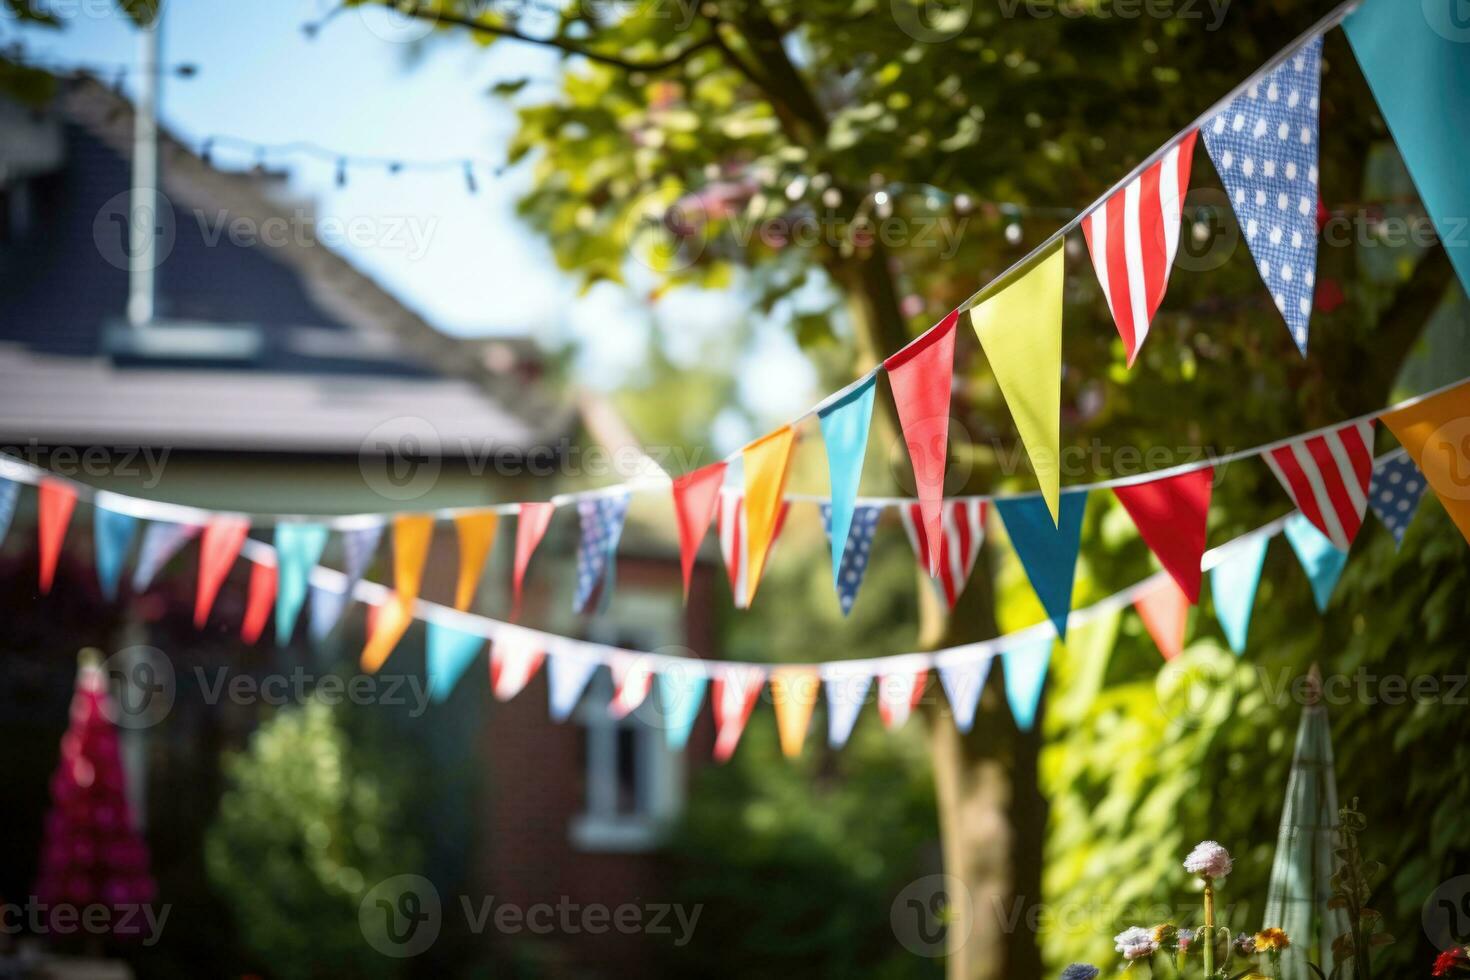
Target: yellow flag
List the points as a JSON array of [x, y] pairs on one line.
[[794, 692], [411, 534], [476, 535], [1020, 329], [1436, 432], [765, 485]]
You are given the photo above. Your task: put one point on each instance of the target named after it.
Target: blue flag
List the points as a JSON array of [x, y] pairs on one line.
[[566, 679], [298, 549], [962, 685], [1322, 562], [680, 693], [845, 422], [113, 536], [1025, 675], [449, 652], [602, 526], [161, 541], [854, 564], [359, 545], [327, 607], [1395, 492], [1233, 584], [1047, 551], [9, 494]]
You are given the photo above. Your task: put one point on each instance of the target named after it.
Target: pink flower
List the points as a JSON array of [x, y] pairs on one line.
[[1210, 861], [1136, 943]]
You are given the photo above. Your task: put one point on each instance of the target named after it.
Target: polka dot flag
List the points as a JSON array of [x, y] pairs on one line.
[[1264, 144], [1395, 493], [855, 555]]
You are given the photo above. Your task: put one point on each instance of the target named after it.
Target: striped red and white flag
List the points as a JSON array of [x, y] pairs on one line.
[[731, 522], [963, 524], [1327, 477], [1133, 238]]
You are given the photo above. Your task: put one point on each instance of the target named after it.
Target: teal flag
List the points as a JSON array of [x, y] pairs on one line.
[[1025, 675], [1416, 57], [845, 420], [449, 652], [1233, 584], [113, 535], [680, 693], [1322, 562], [9, 494], [1047, 551], [298, 549]]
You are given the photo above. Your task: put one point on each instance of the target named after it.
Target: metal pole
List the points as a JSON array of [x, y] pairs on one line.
[[143, 201]]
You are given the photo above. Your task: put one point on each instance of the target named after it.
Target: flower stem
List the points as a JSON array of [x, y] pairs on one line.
[[1209, 929]]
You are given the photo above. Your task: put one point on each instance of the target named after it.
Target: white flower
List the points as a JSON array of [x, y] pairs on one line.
[[1136, 943], [1209, 860]]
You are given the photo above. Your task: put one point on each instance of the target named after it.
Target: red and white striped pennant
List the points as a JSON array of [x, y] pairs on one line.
[[963, 524], [1327, 477], [1133, 238], [731, 521]]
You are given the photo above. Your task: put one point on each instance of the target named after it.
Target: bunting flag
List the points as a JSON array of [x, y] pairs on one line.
[[1133, 238], [161, 541], [1048, 551], [962, 685], [899, 693], [359, 546], [862, 522], [765, 463], [921, 376], [447, 655], [962, 531], [298, 549], [1233, 584], [1165, 614], [1394, 494], [327, 607], [602, 526], [258, 601], [476, 533], [732, 543], [632, 680], [112, 536], [846, 689], [845, 420], [1264, 145], [1020, 329], [1327, 477], [9, 494], [1171, 515], [1025, 678], [411, 536], [696, 495], [1412, 61], [794, 694], [514, 659], [733, 693], [1436, 434], [1320, 558], [680, 693], [532, 520], [56, 503], [218, 548], [566, 679]]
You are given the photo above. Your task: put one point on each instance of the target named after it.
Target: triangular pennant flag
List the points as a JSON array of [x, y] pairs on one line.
[[1164, 610], [794, 694], [447, 655], [359, 545], [732, 544], [680, 692], [962, 684], [1020, 329], [602, 526], [56, 503], [1264, 145], [1327, 477], [327, 606], [1394, 494], [899, 693], [112, 535], [845, 421], [1025, 676], [515, 656], [9, 494], [532, 520], [411, 536], [1133, 238], [218, 548], [298, 549], [566, 678], [765, 488], [853, 565], [476, 536], [1048, 551], [1171, 515], [733, 694], [161, 541], [846, 689], [695, 497], [258, 601], [1436, 434], [961, 533], [1233, 584], [921, 377], [1320, 558], [632, 680]]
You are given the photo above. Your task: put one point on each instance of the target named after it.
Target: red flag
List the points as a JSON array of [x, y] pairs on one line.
[[695, 497], [531, 523], [1165, 612], [1170, 515], [57, 501], [732, 696], [258, 601], [514, 660], [218, 548], [959, 546], [632, 680], [921, 375], [899, 694], [1327, 477]]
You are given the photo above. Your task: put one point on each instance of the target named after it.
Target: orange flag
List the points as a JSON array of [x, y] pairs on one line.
[[1436, 433], [57, 501], [411, 534], [1165, 613], [476, 536], [218, 549], [258, 601], [765, 486], [794, 693]]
